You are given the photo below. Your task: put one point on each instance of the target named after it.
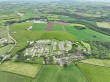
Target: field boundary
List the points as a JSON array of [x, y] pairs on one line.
[[37, 73], [16, 74], [83, 73], [94, 65]]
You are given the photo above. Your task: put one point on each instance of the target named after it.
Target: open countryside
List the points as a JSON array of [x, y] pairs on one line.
[[54, 41]]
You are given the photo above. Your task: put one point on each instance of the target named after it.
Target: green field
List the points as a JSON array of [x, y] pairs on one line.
[[3, 32], [99, 62], [60, 18], [54, 73], [77, 25], [57, 27], [29, 70], [87, 34], [95, 73], [29, 15], [103, 24], [10, 77], [53, 17], [39, 26], [22, 35], [5, 49]]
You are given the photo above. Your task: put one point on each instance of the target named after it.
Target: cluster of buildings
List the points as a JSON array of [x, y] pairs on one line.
[[47, 48], [3, 41], [54, 51]]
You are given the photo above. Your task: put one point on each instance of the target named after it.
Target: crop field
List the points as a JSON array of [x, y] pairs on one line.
[[10, 77], [39, 26], [95, 73], [103, 24], [54, 73], [29, 70], [87, 34], [57, 27], [99, 62]]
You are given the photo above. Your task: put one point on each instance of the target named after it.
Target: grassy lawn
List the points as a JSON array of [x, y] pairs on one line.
[[87, 34], [39, 26], [97, 62], [4, 49], [95, 73], [10, 77], [54, 73], [29, 70], [57, 28], [103, 24]]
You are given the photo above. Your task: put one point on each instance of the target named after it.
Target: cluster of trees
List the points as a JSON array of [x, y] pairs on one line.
[[100, 50], [80, 27], [20, 21], [94, 27]]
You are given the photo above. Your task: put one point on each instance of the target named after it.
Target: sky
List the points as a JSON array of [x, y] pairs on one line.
[[59, 0]]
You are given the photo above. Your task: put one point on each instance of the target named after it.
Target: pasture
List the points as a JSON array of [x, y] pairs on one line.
[[28, 15], [29, 70], [57, 27], [3, 32], [10, 77], [87, 34], [5, 49], [39, 26], [95, 73], [103, 24], [74, 24], [99, 62], [22, 36], [54, 73]]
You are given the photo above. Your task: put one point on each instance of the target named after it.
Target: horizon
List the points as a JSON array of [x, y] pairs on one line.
[[60, 0]]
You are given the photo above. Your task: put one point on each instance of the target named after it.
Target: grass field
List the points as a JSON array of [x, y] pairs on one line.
[[54, 73], [29, 15], [5, 49], [103, 24], [29, 70], [9, 77], [57, 27], [3, 32], [99, 62], [53, 17], [77, 25], [39, 26], [95, 73], [87, 34]]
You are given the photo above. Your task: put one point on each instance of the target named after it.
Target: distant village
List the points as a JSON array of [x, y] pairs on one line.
[[52, 52]]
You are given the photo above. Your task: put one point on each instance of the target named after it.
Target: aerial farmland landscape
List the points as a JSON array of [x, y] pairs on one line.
[[54, 41]]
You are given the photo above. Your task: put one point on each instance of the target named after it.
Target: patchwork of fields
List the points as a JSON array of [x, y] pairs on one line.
[[54, 73], [95, 73], [98, 62], [10, 77], [29, 70], [60, 31]]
